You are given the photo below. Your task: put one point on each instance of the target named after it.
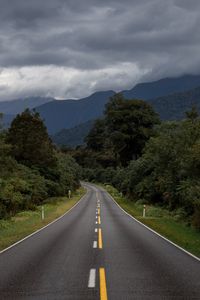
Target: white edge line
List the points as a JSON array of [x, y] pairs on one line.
[[95, 244], [172, 243], [96, 230], [37, 231], [92, 278]]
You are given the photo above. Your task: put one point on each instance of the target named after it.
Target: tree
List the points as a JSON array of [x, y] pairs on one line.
[[129, 124], [30, 142]]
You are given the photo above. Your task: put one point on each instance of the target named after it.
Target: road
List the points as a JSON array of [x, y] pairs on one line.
[[96, 251]]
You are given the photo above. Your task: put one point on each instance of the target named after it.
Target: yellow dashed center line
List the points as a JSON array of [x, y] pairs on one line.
[[103, 289], [100, 239]]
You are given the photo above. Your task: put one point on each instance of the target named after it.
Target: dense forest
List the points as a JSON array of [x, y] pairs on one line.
[[147, 160], [31, 168]]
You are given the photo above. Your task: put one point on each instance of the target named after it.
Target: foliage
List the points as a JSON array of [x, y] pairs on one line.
[[29, 139], [31, 170], [121, 135], [168, 171], [129, 125]]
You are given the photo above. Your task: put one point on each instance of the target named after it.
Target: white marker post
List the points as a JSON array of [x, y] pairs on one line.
[[144, 211], [42, 212], [69, 194]]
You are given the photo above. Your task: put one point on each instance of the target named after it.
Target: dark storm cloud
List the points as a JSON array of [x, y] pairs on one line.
[[122, 41]]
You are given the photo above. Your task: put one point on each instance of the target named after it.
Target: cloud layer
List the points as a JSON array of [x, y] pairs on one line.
[[70, 48]]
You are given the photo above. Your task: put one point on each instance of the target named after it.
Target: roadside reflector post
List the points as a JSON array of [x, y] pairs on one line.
[[42, 212], [69, 194], [144, 211]]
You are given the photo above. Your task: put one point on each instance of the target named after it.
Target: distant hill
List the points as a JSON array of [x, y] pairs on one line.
[[16, 106], [163, 87], [73, 136], [69, 113], [170, 97], [173, 107]]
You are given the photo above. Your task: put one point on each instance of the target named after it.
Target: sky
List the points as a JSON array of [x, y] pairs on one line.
[[70, 49]]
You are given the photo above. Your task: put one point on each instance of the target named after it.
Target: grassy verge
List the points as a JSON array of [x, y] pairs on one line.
[[26, 222], [162, 221]]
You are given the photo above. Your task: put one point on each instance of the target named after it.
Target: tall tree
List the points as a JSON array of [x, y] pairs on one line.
[[129, 125], [30, 142]]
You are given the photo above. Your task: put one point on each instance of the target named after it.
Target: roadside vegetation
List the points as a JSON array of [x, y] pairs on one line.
[[26, 222], [153, 162], [31, 168]]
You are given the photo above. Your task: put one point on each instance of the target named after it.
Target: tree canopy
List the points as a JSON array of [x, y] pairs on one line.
[[30, 141], [31, 169], [124, 130]]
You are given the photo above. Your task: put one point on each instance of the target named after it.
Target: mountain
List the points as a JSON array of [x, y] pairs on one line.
[[73, 136], [163, 87], [173, 107], [16, 106], [69, 113], [169, 96]]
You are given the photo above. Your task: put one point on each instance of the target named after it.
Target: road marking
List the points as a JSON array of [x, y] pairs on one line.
[[100, 239], [96, 217], [95, 244], [96, 222], [38, 231], [103, 289], [96, 230], [92, 278], [99, 220], [99, 211]]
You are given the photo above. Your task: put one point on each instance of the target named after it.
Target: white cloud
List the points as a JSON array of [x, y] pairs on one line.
[[63, 82]]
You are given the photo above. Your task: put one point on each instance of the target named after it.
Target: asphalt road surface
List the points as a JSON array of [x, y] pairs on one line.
[[96, 251]]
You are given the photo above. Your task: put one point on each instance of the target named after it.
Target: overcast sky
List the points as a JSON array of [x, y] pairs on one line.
[[69, 48]]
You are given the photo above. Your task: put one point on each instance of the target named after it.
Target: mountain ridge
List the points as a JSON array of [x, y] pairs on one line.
[[15, 106], [69, 113], [60, 114], [170, 107], [162, 87]]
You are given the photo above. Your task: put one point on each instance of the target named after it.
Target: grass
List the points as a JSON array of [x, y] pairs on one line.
[[162, 221], [26, 222]]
